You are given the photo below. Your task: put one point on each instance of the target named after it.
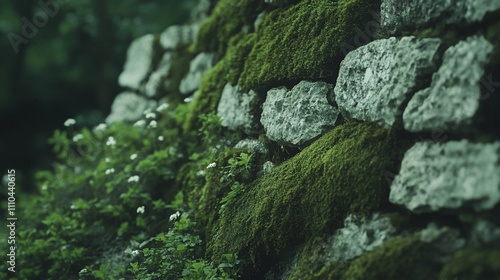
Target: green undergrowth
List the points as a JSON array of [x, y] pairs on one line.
[[308, 195]]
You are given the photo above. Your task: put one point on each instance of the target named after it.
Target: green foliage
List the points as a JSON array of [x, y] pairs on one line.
[[175, 255], [210, 128], [308, 195]]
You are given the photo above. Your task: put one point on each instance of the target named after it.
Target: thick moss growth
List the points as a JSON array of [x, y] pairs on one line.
[[308, 195], [303, 41], [473, 264], [227, 20]]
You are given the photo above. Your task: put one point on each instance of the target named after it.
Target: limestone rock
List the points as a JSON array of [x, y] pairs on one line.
[[295, 117], [360, 235], [375, 80], [236, 108], [129, 107], [139, 61], [177, 35], [198, 67], [455, 92], [448, 175], [397, 15], [252, 144], [157, 79]]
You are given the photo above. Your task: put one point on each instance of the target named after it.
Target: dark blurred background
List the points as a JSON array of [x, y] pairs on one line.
[[68, 69]]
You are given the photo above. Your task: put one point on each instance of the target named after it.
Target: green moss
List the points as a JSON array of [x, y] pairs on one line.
[[227, 20], [473, 264], [310, 194], [303, 41]]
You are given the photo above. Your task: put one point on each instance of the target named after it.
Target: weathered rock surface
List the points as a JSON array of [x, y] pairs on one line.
[[236, 110], [397, 15], [198, 67], [455, 92], [129, 107], [139, 61], [295, 117], [359, 235], [448, 175], [252, 144], [157, 78], [375, 80], [177, 35]]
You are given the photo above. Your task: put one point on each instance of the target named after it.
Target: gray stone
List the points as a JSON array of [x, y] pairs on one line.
[[298, 116], [376, 79], [448, 175], [139, 61], [157, 79], [267, 167], [201, 10], [177, 35], [198, 67], [453, 98], [397, 15], [252, 144], [129, 107], [360, 235], [258, 20], [236, 109]]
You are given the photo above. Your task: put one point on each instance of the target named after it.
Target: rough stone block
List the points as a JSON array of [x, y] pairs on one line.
[[236, 109], [139, 61]]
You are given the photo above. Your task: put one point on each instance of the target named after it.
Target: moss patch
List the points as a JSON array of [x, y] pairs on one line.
[[473, 263], [310, 194], [227, 20], [303, 41]]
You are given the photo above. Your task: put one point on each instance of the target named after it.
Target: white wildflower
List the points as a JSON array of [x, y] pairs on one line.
[[161, 138], [111, 141], [109, 171], [133, 156], [152, 124], [77, 137], [175, 216], [73, 207], [140, 123], [108, 160], [141, 209], [188, 99], [133, 179], [100, 127], [212, 165], [162, 107], [69, 122], [134, 253], [150, 115], [44, 187], [83, 271], [147, 111]]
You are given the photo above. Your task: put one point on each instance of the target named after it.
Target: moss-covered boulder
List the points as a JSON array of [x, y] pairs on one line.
[[308, 195]]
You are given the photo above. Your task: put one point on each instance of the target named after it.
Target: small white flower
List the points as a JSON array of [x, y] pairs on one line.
[[44, 187], [147, 111], [175, 216], [212, 165], [133, 156], [188, 99], [73, 207], [111, 141], [100, 127], [141, 209], [161, 138], [134, 253], [150, 115], [69, 122], [152, 124], [162, 107], [109, 171], [83, 271], [77, 137], [108, 160], [140, 123], [133, 179]]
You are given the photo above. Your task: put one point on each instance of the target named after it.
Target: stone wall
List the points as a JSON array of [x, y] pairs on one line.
[[374, 129]]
